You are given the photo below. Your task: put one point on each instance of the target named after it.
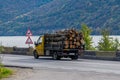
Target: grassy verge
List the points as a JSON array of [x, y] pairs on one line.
[[5, 72]]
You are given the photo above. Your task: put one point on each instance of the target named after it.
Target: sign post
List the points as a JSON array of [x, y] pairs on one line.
[[29, 40]]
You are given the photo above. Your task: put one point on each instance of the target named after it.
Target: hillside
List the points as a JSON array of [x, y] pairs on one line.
[[60, 14], [10, 10]]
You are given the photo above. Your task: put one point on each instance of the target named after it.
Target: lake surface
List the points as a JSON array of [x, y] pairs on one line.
[[19, 41]]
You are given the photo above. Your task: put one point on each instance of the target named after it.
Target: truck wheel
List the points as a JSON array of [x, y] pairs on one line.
[[56, 57], [36, 56], [74, 57]]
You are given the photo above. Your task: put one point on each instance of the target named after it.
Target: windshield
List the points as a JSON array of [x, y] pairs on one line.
[[39, 41]]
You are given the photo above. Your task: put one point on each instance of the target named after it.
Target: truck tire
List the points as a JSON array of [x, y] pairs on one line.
[[74, 57], [56, 57], [36, 56]]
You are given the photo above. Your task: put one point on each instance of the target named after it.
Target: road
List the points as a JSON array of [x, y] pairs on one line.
[[64, 64]]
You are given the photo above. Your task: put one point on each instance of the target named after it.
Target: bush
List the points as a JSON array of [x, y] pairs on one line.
[[88, 40], [1, 49], [116, 44], [5, 72], [107, 43]]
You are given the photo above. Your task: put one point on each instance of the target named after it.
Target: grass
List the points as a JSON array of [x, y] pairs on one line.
[[5, 72]]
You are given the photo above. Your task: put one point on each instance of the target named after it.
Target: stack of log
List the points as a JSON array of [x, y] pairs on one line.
[[73, 39]]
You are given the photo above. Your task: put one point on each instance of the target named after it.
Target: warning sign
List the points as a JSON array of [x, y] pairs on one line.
[[28, 33], [29, 41]]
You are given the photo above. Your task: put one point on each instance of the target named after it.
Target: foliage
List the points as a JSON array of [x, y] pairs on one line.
[[106, 43], [5, 72], [88, 40], [116, 44], [1, 49]]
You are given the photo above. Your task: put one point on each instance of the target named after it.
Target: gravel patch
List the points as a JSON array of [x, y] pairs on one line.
[[55, 74]]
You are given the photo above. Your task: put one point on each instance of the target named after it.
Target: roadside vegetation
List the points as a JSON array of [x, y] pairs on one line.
[[4, 72], [87, 38], [106, 43]]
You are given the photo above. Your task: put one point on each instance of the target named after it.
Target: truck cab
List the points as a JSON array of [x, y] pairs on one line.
[[39, 47]]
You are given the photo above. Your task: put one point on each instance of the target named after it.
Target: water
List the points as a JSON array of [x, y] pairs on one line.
[[19, 41], [96, 39]]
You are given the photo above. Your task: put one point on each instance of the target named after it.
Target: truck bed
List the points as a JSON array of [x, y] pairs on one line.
[[63, 40]]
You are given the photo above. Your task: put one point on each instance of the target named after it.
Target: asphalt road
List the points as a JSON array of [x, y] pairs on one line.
[[67, 64]]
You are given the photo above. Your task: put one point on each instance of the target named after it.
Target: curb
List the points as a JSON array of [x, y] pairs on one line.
[[18, 66]]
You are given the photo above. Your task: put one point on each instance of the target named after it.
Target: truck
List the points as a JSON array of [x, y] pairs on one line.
[[67, 43]]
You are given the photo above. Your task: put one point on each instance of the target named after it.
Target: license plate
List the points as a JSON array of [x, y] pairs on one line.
[[71, 53]]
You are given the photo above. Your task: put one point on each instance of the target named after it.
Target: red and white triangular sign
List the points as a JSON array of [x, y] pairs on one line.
[[28, 33], [29, 41]]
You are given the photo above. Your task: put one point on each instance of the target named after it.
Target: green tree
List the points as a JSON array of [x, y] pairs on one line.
[[116, 44], [106, 43], [86, 31]]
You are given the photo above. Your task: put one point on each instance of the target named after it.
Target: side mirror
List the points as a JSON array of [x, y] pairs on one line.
[[35, 43]]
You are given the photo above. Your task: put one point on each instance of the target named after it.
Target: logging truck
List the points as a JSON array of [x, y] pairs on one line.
[[61, 44]]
